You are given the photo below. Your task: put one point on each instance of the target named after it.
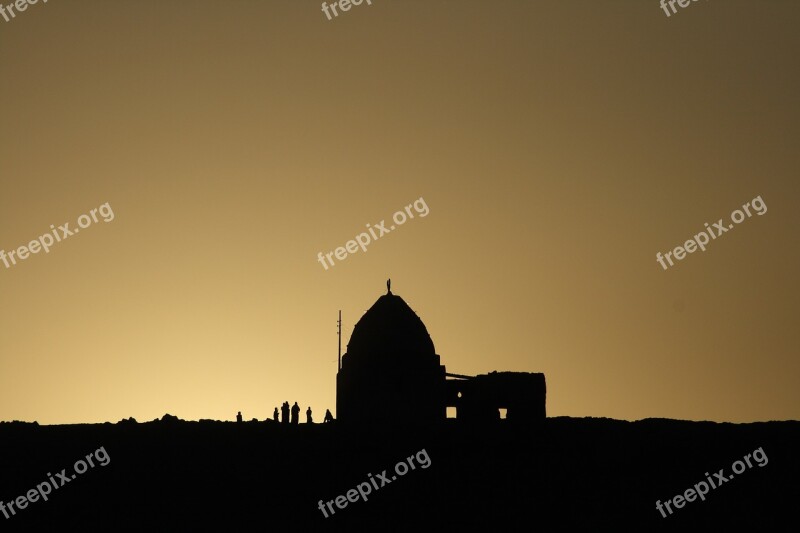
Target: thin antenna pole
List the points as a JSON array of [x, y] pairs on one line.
[[339, 331]]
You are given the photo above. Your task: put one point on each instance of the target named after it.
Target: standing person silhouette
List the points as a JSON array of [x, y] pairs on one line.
[[309, 420], [275, 415], [285, 412], [295, 414]]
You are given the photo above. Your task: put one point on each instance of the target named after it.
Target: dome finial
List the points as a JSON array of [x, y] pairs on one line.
[[389, 286]]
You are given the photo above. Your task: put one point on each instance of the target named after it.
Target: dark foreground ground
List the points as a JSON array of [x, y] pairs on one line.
[[566, 475]]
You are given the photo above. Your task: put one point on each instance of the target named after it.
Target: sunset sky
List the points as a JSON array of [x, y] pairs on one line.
[[558, 145]]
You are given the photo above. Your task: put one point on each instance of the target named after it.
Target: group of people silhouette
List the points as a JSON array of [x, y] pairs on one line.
[[295, 415], [295, 411]]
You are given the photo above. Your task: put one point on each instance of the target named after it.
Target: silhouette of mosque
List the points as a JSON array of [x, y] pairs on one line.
[[391, 373]]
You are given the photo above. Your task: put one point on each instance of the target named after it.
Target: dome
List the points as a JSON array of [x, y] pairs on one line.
[[390, 372], [390, 327]]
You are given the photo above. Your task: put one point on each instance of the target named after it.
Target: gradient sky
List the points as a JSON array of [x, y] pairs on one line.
[[558, 145]]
